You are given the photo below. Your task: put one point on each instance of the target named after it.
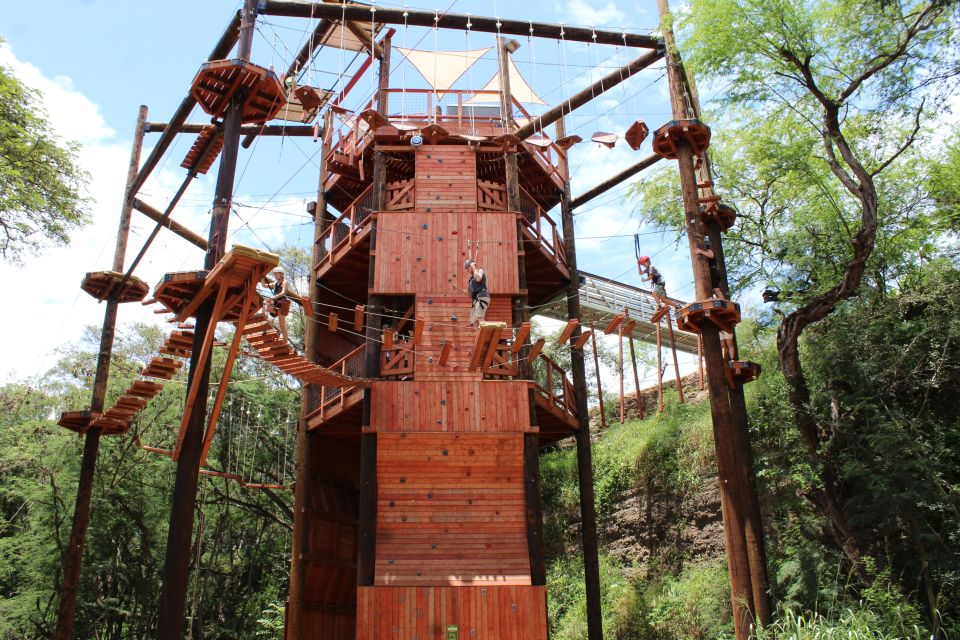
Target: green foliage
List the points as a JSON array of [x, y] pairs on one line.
[[694, 604], [40, 180], [242, 535], [943, 183], [621, 603], [857, 622]]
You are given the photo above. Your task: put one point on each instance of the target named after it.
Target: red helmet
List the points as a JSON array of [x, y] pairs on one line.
[[643, 260]]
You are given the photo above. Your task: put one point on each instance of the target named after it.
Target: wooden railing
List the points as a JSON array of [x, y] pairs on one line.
[[345, 229], [491, 196], [321, 399], [397, 356], [400, 195], [553, 384], [543, 229]]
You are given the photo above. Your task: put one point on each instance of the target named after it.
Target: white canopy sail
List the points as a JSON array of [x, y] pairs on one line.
[[519, 89], [441, 69]]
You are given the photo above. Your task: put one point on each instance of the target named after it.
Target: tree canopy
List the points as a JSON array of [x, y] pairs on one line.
[[41, 182]]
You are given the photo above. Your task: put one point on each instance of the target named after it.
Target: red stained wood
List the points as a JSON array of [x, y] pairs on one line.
[[422, 252], [513, 612]]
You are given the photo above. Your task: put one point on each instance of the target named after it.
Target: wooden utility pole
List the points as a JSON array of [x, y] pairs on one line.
[[73, 554], [300, 520], [588, 512], [636, 378], [176, 566], [731, 449], [623, 404], [596, 370]]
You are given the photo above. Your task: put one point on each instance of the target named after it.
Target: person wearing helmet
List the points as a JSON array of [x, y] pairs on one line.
[[278, 305], [650, 272], [477, 288]]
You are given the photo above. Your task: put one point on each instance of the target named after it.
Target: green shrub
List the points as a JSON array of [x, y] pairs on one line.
[[695, 604]]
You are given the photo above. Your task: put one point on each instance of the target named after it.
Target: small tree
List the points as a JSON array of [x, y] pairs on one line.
[[40, 180]]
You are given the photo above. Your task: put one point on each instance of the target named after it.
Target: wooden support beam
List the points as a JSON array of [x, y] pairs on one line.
[[613, 181], [458, 22], [659, 371], [636, 379], [176, 566], [73, 554], [623, 406], [250, 300], [567, 332], [578, 371], [673, 349], [169, 223], [596, 369], [291, 130], [583, 97]]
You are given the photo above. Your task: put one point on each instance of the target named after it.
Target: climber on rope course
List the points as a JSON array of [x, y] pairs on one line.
[[650, 272], [278, 305], [477, 288]]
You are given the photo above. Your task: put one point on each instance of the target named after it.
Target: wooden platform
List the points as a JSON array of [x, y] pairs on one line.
[[218, 80], [100, 284]]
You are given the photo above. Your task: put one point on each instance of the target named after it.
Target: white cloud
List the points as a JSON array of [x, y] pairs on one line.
[[581, 12], [52, 309]]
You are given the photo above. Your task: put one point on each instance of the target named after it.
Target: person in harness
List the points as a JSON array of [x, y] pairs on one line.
[[650, 272], [477, 288], [278, 305]]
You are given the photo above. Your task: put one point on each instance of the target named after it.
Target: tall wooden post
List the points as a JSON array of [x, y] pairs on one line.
[[300, 520], [73, 554], [659, 370], [729, 460], [180, 534], [623, 404], [673, 350], [636, 378], [367, 519], [588, 512], [596, 370]]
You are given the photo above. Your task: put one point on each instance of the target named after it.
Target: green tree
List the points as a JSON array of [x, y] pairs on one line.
[[825, 102], [40, 179]]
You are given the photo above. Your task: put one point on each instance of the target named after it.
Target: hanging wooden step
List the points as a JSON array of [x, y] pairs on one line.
[[270, 346], [743, 371], [434, 133], [145, 389], [302, 104], [613, 324], [101, 284], [77, 421], [373, 119], [162, 368], [487, 339], [218, 80], [204, 151], [609, 140], [179, 344], [636, 134], [693, 131], [566, 142]]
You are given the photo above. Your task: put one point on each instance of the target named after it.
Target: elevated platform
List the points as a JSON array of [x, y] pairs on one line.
[[100, 284]]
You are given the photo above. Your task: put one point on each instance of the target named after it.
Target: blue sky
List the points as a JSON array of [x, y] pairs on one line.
[[96, 61]]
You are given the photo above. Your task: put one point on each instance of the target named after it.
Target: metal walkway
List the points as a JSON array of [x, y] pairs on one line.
[[602, 298]]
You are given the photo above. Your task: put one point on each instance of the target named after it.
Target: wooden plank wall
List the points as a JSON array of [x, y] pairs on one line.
[[446, 178], [436, 312], [496, 406], [480, 613], [450, 510], [423, 252], [330, 557]]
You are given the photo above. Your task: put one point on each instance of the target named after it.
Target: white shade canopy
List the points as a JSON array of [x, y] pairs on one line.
[[441, 69], [519, 89]]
